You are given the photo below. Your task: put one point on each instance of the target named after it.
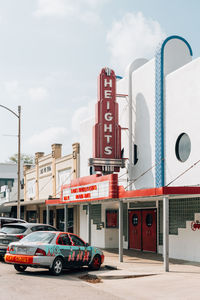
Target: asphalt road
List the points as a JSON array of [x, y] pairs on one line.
[[135, 279], [39, 284]]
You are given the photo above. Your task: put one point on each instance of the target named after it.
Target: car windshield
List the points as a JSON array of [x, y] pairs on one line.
[[43, 237], [13, 229]]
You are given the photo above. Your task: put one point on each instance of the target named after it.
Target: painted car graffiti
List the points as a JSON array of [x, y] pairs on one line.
[[53, 250]]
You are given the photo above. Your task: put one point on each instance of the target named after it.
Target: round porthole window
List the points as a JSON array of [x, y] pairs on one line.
[[149, 220], [183, 147], [135, 220]]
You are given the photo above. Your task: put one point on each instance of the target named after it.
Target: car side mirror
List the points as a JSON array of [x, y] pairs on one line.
[[87, 244]]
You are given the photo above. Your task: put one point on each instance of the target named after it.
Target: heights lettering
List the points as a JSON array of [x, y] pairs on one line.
[[107, 132]]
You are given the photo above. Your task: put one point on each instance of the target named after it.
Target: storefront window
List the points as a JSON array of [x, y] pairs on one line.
[[135, 220], [51, 213], [60, 224], [111, 219], [31, 216], [149, 220]]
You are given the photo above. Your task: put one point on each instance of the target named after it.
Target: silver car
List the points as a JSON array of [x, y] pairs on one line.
[[4, 221], [53, 250], [16, 231]]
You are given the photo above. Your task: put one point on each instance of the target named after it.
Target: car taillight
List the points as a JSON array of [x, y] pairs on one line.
[[20, 236], [102, 258], [8, 249], [40, 252]]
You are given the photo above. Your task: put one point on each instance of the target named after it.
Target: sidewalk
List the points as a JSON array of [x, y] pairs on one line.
[[144, 263], [141, 276]]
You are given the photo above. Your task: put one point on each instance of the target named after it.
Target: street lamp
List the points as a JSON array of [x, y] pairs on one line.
[[19, 149]]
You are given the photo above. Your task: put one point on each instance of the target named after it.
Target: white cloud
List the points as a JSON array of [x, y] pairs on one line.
[[133, 37], [81, 114], [12, 91], [84, 10], [54, 8], [38, 94], [47, 137]]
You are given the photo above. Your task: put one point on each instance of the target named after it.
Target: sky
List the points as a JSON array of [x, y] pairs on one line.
[[51, 52]]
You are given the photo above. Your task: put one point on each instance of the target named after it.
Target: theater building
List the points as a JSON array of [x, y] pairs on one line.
[[158, 106]]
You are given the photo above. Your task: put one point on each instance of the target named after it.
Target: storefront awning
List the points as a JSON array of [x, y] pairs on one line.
[[172, 192], [24, 203]]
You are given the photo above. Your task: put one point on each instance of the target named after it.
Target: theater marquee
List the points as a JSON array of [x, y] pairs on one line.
[[89, 188]]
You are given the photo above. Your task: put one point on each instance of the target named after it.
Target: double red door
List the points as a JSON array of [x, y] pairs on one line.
[[142, 229]]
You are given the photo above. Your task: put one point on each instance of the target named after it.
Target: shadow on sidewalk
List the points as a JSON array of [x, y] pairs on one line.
[[134, 256]]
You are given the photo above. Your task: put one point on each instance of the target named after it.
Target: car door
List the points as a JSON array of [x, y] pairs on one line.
[[66, 249], [82, 253]]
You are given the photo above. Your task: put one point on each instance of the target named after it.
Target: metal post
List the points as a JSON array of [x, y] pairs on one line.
[[19, 162], [120, 231], [166, 233], [89, 224], [47, 214], [66, 218]]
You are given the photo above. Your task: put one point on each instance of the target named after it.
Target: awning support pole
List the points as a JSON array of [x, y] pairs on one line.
[[47, 214], [89, 223], [66, 218], [166, 233], [120, 231]]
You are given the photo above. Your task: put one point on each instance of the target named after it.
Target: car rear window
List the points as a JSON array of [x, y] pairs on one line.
[[43, 228], [5, 221], [43, 237], [13, 229]]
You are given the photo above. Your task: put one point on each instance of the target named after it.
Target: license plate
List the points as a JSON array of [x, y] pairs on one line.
[[19, 259], [21, 250]]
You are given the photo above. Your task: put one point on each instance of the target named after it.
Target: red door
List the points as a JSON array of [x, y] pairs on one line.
[[149, 230], [142, 230], [135, 229]]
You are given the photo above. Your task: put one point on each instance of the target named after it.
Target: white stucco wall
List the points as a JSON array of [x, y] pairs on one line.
[[83, 224], [182, 116], [143, 82], [186, 244], [86, 144], [104, 238]]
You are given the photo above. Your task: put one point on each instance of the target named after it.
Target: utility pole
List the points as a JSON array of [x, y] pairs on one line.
[[19, 154], [19, 163]]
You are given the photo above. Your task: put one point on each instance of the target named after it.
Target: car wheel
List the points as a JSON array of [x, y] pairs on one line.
[[57, 266], [96, 263], [20, 268]]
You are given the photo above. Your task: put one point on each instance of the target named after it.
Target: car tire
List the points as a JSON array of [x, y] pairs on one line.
[[96, 263], [20, 268], [57, 266]]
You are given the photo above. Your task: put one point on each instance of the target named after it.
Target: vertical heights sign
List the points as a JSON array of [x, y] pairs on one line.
[[107, 132]]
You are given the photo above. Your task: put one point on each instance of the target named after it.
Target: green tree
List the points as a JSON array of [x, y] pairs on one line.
[[26, 158]]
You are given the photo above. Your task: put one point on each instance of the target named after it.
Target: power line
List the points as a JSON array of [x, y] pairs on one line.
[[134, 180], [184, 172]]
